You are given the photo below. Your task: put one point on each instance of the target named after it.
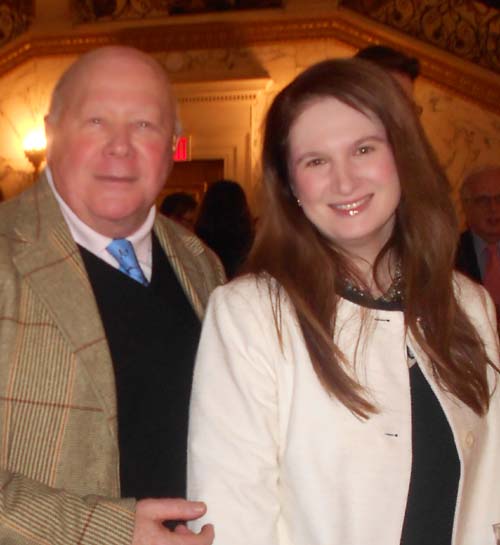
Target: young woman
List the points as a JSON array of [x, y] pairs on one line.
[[346, 391]]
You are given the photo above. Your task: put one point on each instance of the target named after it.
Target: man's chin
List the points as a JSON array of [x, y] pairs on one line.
[[116, 224]]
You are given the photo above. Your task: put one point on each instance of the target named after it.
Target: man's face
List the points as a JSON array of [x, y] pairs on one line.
[[482, 205], [110, 149]]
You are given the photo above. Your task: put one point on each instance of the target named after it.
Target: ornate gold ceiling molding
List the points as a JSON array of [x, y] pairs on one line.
[[460, 77], [468, 30], [16, 17]]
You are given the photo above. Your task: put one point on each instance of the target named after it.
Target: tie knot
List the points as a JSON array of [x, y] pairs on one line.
[[123, 251]]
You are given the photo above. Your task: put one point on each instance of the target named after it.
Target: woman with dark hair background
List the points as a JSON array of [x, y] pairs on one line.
[[224, 223], [346, 388]]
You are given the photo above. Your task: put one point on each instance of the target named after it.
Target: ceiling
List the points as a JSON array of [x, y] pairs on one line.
[[457, 41]]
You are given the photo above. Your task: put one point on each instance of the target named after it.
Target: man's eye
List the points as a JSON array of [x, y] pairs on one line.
[[96, 120], [144, 124]]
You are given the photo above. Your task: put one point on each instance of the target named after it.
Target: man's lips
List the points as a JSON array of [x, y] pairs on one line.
[[115, 178]]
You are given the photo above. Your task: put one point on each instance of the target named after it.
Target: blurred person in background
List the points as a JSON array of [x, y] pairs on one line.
[[225, 224], [403, 68], [180, 207], [478, 249]]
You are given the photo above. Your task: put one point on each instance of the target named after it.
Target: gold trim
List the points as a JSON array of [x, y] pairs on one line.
[[462, 78]]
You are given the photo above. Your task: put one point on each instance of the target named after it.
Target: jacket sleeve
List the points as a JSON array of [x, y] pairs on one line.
[[233, 437], [32, 513]]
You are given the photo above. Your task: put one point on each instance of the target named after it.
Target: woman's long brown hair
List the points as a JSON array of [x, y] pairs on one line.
[[289, 249]]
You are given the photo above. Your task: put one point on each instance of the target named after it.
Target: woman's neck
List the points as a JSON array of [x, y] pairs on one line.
[[387, 271]]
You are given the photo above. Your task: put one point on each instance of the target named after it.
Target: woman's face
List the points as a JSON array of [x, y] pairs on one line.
[[344, 175]]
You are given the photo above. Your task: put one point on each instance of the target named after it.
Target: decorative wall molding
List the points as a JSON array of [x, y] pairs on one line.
[[16, 17], [470, 30], [89, 11], [241, 90], [460, 77]]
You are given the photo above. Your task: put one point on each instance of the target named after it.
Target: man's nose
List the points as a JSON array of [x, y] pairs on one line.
[[119, 142]]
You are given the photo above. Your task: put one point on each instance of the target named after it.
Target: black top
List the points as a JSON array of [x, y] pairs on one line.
[[435, 473], [153, 334]]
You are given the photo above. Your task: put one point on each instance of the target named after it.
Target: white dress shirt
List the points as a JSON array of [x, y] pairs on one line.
[[96, 243]]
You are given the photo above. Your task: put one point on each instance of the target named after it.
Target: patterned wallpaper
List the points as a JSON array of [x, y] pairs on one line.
[[93, 10], [466, 28], [15, 18]]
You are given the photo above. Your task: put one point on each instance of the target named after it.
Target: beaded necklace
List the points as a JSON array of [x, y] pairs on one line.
[[394, 292]]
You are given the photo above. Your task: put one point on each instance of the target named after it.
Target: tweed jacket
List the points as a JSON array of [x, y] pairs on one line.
[[59, 458]]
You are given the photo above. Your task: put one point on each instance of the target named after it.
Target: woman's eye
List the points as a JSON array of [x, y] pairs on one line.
[[363, 150], [96, 121], [143, 124], [315, 162]]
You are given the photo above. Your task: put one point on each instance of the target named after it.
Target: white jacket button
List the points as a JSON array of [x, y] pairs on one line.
[[469, 439]]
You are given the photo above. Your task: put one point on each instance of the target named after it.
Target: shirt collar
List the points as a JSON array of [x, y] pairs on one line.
[[95, 242]]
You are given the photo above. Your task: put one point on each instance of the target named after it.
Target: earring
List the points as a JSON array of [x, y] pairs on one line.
[[299, 204]]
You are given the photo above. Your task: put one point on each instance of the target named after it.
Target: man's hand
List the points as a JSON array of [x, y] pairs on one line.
[[151, 513]]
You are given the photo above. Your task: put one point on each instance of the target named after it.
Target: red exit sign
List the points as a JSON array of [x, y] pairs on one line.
[[183, 149]]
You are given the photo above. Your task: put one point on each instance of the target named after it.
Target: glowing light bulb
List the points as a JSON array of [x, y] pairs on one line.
[[35, 140]]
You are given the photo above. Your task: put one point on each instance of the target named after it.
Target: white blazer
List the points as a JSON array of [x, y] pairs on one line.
[[281, 462]]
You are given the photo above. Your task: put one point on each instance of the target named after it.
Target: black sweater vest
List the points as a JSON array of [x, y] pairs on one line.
[[153, 333]]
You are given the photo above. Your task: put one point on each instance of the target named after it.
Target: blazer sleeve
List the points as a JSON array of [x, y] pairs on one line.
[[32, 513], [233, 434]]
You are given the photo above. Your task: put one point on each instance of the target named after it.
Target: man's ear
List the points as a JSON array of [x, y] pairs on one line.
[[49, 131]]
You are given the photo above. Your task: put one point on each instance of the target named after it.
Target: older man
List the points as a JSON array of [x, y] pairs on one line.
[[478, 251], [101, 308]]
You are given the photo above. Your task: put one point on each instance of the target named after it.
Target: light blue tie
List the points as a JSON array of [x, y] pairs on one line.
[[123, 251]]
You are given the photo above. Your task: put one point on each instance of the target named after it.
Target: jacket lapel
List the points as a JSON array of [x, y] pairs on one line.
[[50, 263], [181, 253]]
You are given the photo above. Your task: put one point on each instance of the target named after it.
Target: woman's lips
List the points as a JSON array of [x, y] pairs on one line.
[[352, 208]]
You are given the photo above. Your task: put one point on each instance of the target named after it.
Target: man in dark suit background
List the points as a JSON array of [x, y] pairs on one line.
[[100, 317], [478, 249]]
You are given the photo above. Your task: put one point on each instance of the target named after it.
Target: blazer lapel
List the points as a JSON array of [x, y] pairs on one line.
[[49, 261], [181, 253]]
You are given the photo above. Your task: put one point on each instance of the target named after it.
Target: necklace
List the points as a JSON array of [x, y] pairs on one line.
[[394, 292]]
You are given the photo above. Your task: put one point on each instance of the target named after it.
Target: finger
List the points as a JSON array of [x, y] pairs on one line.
[[208, 532], [172, 508], [182, 529]]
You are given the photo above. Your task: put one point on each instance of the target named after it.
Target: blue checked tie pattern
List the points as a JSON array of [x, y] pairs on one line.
[[123, 251]]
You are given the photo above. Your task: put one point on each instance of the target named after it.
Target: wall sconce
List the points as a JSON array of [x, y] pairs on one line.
[[34, 148]]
